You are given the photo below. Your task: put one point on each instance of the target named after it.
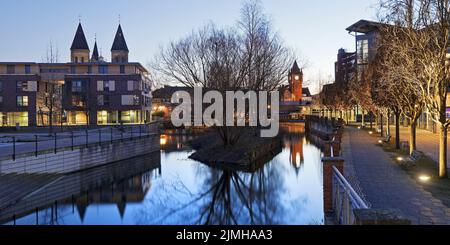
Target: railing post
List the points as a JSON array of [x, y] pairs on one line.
[[55, 142], [35, 145], [111, 135], [328, 163], [14, 148], [131, 133], [71, 138], [99, 137], [87, 138], [140, 131]]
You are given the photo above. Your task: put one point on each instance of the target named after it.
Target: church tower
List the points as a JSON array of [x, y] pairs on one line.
[[119, 50], [79, 51], [296, 82]]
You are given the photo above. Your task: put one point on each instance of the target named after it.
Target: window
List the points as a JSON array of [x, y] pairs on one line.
[[103, 100], [1, 86], [89, 70], [73, 69], [130, 117], [106, 86], [133, 85], [76, 59], [27, 69], [10, 69], [77, 86], [103, 69], [122, 69], [82, 59], [130, 100], [1, 100], [22, 101], [363, 51], [21, 86], [78, 100]]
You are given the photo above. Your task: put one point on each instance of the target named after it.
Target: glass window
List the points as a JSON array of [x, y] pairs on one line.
[[89, 69], [13, 118], [73, 69], [1, 100], [1, 86], [107, 117], [103, 100], [27, 69], [77, 86], [21, 86], [363, 51], [10, 69], [22, 101], [130, 117], [78, 100], [82, 59], [122, 69], [103, 69], [133, 85]]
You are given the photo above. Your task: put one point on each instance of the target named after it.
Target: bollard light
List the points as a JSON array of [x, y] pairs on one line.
[[424, 178]]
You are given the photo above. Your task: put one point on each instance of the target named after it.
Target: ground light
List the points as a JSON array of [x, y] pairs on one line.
[[380, 142], [370, 132], [424, 178], [400, 159]]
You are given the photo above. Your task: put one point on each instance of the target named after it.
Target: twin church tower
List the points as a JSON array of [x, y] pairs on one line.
[[80, 52]]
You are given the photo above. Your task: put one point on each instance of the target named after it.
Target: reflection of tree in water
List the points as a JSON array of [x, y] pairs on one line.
[[229, 198]]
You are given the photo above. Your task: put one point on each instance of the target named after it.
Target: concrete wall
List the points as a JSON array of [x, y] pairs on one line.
[[81, 158]]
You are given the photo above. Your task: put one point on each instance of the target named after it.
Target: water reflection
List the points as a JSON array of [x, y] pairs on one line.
[[173, 189]]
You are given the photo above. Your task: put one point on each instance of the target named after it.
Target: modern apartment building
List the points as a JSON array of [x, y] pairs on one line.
[[86, 90]]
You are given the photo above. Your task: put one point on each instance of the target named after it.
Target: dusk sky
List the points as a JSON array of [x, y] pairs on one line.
[[314, 28]]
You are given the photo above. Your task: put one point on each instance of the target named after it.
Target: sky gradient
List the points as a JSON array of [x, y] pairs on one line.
[[315, 29]]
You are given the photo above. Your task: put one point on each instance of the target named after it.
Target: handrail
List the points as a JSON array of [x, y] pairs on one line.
[[356, 199]]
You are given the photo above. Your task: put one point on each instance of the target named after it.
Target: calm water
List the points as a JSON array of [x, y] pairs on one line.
[[169, 188]]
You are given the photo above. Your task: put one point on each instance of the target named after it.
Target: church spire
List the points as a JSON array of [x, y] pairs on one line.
[[95, 56], [79, 41], [80, 48], [119, 49]]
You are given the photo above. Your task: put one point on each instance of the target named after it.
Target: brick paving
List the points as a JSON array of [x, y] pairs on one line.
[[385, 185]]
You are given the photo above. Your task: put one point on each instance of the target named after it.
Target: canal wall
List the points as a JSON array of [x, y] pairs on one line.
[[77, 158]]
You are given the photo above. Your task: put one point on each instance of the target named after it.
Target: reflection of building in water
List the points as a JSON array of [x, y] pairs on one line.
[[130, 191], [296, 157]]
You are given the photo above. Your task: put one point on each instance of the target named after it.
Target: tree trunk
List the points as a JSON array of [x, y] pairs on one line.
[[363, 120], [388, 129], [371, 120], [397, 130], [412, 137], [381, 125], [443, 152]]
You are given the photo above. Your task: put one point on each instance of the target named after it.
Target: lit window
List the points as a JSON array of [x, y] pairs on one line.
[[22, 101]]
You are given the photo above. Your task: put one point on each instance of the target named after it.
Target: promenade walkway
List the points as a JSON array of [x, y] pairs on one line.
[[427, 142], [385, 185]]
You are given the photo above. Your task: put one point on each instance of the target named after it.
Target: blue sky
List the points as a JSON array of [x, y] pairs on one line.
[[314, 28]]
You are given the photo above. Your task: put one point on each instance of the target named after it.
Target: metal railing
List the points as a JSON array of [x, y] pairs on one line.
[[345, 199], [25, 144]]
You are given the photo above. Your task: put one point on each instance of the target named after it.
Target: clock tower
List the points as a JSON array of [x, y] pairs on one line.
[[296, 82]]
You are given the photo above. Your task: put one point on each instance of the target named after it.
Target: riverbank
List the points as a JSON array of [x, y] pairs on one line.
[[244, 155]]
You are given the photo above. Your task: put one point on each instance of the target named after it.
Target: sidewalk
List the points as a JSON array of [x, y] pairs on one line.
[[385, 185], [427, 142]]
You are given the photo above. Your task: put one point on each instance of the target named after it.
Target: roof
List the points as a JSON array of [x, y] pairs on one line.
[[364, 26], [167, 91], [95, 55], [295, 69], [119, 43], [79, 41], [283, 88]]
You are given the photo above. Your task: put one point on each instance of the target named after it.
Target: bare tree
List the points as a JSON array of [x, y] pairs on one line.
[[248, 56], [420, 43], [51, 95]]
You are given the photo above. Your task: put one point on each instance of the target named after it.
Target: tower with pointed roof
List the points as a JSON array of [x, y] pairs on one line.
[[119, 49], [95, 56], [80, 49], [296, 82]]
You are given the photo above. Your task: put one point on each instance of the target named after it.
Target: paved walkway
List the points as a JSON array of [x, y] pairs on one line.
[[427, 142], [385, 185]]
